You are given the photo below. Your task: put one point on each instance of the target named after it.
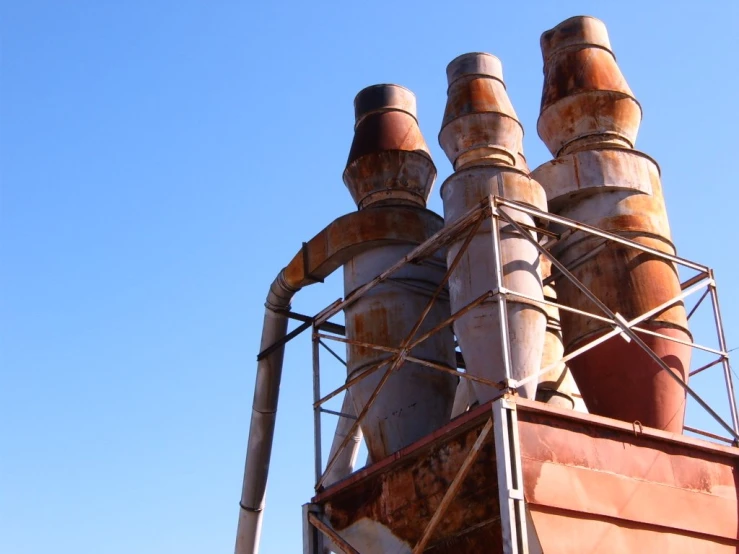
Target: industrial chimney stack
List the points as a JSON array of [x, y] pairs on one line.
[[482, 137], [589, 121], [389, 166]]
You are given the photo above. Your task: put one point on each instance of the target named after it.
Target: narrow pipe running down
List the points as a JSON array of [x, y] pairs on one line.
[[482, 137], [589, 121], [389, 166]]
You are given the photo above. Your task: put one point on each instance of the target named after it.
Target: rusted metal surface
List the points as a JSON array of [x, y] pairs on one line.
[[630, 283], [416, 399], [595, 486], [627, 328], [401, 355], [586, 100], [354, 233], [479, 120], [590, 119], [482, 138], [591, 484], [388, 166], [451, 492], [621, 170], [557, 386], [388, 505], [389, 161], [652, 396]]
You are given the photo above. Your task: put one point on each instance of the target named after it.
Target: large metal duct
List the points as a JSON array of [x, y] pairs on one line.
[[389, 166], [589, 121], [482, 137]]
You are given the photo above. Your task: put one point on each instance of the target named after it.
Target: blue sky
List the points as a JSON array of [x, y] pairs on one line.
[[161, 161]]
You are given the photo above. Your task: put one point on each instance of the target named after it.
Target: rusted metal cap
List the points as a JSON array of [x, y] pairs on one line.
[[474, 64], [389, 161], [383, 98], [586, 101], [480, 126], [580, 31]]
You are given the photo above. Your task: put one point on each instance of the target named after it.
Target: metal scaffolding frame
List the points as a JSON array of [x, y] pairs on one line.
[[503, 417]]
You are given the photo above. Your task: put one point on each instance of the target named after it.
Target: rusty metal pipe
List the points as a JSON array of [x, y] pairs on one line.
[[264, 412], [389, 166], [482, 137], [586, 100], [589, 120]]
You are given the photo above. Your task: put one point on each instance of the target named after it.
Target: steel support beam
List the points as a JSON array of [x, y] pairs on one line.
[[313, 542], [510, 477]]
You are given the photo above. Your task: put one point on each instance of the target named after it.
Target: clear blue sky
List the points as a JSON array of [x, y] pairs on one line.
[[161, 161]]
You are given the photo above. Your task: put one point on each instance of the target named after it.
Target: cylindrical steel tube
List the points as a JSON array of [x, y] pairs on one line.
[[389, 165], [590, 120], [482, 137]]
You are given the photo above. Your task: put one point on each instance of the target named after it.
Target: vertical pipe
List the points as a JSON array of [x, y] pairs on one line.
[[482, 137], [318, 458], [264, 412]]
